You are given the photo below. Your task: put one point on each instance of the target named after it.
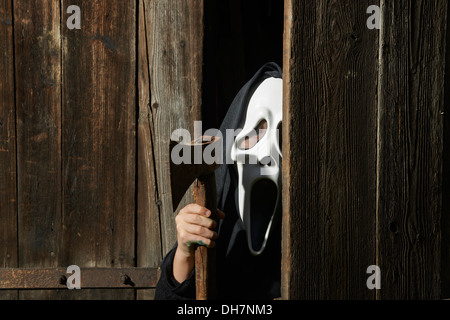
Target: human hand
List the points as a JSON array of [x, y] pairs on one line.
[[195, 227]]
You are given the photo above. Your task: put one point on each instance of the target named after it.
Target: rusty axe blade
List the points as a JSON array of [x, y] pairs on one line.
[[183, 175]]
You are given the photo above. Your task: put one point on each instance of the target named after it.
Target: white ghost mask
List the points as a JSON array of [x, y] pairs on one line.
[[256, 153]]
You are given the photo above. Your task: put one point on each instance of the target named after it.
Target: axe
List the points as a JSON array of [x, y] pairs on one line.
[[182, 176]]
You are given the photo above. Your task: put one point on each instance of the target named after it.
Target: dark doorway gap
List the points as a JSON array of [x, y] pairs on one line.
[[240, 36]]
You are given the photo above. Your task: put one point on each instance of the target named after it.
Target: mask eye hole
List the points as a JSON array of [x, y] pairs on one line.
[[251, 139]]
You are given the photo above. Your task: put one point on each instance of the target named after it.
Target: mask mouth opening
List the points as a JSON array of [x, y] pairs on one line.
[[263, 201]]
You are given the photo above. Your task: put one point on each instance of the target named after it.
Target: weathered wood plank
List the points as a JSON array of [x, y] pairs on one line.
[[175, 48], [149, 252], [8, 187], [38, 103], [98, 278], [445, 227], [99, 137], [38, 74], [329, 150], [410, 148]]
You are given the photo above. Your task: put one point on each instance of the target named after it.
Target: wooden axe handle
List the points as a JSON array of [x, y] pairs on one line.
[[205, 195], [205, 259]]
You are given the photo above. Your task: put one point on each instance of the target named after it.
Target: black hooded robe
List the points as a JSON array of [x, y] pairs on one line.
[[240, 275]]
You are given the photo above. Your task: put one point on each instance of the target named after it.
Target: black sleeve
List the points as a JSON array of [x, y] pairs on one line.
[[170, 289]]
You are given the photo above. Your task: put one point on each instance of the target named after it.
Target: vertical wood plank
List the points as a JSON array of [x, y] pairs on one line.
[[99, 138], [175, 37], [329, 150], [410, 148], [149, 253], [8, 187], [38, 103], [445, 227]]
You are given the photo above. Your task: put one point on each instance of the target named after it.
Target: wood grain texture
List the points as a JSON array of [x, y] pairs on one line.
[[445, 227], [175, 57], [84, 161], [38, 94], [205, 195], [329, 150], [38, 103], [410, 148], [149, 251], [8, 182], [99, 138]]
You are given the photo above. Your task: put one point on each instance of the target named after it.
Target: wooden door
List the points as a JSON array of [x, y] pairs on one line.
[[85, 122], [364, 149]]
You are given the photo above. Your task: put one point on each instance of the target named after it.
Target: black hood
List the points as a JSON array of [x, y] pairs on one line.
[[226, 175], [240, 275]]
